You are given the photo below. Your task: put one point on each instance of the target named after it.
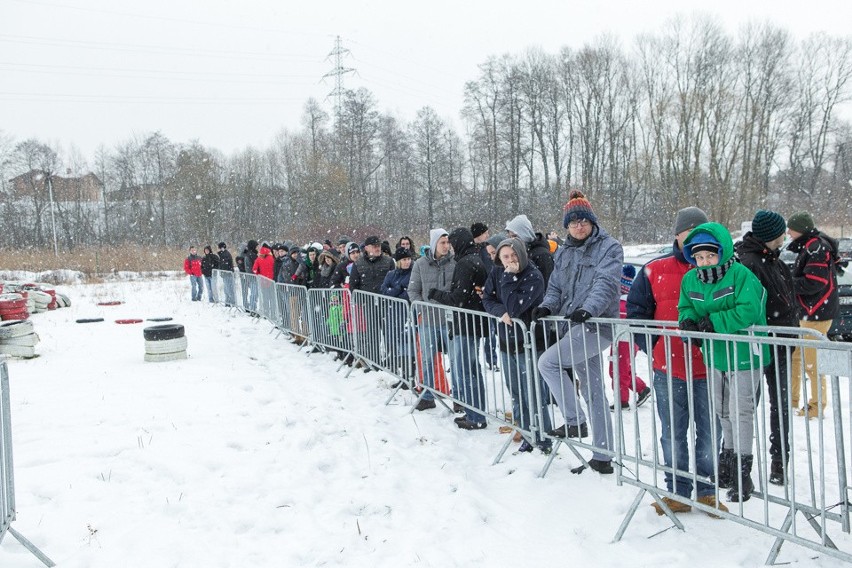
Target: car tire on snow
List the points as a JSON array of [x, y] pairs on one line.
[[161, 357], [89, 320], [166, 346], [163, 332], [30, 340], [27, 352], [15, 328]]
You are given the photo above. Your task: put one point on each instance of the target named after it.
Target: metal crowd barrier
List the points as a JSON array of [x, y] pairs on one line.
[[224, 286], [813, 497], [7, 478], [386, 338], [554, 376], [506, 398], [329, 321], [292, 303]]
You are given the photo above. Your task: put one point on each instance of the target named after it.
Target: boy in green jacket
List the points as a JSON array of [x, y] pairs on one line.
[[722, 296]]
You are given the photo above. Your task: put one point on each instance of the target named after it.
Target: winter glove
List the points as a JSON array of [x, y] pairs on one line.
[[293, 278], [579, 316], [540, 312], [690, 325], [705, 325], [433, 293]]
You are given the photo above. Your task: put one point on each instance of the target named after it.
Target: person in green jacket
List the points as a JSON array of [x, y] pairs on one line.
[[722, 296]]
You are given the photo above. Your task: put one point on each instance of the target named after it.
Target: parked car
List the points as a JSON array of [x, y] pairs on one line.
[[841, 327]]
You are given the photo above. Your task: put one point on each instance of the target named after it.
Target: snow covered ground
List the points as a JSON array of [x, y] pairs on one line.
[[253, 454]]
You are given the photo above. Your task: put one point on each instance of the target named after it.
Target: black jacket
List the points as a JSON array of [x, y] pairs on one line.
[[247, 258], [226, 261], [469, 277], [538, 252], [209, 263], [369, 273], [781, 307], [815, 276]]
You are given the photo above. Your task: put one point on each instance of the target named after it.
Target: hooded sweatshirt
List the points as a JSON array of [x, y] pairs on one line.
[[513, 294], [428, 272], [729, 294], [538, 249]]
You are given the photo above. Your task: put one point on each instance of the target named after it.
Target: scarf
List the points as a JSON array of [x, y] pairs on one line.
[[712, 274]]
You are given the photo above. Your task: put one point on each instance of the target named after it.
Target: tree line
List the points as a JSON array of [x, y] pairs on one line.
[[690, 115]]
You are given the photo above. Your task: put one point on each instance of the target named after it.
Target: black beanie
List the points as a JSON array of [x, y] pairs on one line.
[[478, 229]]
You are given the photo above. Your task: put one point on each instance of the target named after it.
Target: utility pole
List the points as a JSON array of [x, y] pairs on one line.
[[338, 72], [49, 176]]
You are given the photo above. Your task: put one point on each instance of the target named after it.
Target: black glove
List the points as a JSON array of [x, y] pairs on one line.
[[688, 325], [540, 312], [579, 316], [432, 293], [705, 325]]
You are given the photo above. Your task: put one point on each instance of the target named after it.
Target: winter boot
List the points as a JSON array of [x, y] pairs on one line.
[[743, 487], [776, 472], [727, 464]]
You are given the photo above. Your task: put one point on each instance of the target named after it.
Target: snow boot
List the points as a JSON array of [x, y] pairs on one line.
[[743, 487], [727, 464], [776, 472]]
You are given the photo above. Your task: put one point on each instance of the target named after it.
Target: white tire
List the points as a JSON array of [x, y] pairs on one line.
[[166, 346], [16, 328], [40, 297], [65, 300], [160, 357], [30, 340], [18, 351], [10, 296]]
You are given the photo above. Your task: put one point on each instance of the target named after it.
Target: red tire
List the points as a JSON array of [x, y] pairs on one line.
[[111, 303], [131, 320], [13, 304], [15, 316]]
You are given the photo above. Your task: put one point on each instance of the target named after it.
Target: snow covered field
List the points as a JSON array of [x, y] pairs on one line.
[[252, 454]]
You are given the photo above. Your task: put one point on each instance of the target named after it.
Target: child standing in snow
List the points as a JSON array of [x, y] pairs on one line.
[[626, 349], [723, 296]]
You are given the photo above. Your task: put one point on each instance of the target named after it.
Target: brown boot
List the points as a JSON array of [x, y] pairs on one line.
[[710, 501], [675, 506]]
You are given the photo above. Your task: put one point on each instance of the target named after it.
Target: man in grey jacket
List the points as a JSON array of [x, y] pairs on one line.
[[585, 284], [434, 270]]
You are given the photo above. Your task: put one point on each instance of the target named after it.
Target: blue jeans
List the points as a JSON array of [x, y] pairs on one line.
[[514, 369], [228, 281], [468, 376], [197, 287], [432, 340], [208, 281], [674, 425]]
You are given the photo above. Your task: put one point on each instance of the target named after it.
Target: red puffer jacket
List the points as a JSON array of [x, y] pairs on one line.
[[264, 265], [192, 265], [654, 295]]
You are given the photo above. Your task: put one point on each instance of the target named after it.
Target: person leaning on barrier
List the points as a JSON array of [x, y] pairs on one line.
[[815, 283], [654, 295], [538, 249], [465, 288], [723, 296], [340, 276], [397, 340], [584, 284], [514, 288], [759, 251], [433, 270]]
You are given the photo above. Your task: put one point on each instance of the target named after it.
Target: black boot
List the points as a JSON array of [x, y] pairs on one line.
[[727, 465], [743, 487], [776, 472]]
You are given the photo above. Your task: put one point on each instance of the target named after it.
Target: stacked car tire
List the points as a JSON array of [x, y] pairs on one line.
[[166, 342], [13, 306], [18, 338]]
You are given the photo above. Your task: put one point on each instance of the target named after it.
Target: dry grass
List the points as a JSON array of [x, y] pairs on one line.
[[94, 261]]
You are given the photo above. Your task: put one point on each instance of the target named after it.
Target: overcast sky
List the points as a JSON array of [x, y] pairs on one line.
[[234, 73]]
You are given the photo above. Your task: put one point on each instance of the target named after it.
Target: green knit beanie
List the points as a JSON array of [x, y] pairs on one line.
[[801, 222]]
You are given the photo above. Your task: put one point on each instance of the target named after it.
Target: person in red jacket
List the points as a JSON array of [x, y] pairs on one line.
[[192, 268], [264, 265], [654, 295]]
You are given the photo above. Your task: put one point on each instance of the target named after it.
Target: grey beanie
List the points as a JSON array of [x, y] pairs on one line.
[[689, 218]]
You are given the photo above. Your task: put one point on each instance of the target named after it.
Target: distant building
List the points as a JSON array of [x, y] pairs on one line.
[[65, 188]]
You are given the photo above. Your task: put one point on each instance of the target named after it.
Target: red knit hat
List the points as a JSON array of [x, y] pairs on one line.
[[578, 207]]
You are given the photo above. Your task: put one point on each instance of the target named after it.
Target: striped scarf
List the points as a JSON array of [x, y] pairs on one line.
[[712, 274]]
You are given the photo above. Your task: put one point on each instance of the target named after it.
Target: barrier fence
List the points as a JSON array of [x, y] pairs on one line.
[[705, 428], [7, 478]]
